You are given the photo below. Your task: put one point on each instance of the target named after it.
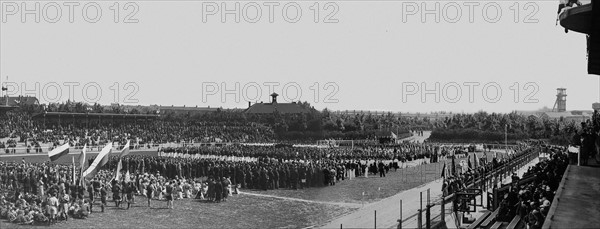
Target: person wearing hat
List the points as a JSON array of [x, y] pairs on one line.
[[103, 195], [535, 218], [52, 207], [545, 207], [129, 191], [150, 192], [169, 194], [91, 193]]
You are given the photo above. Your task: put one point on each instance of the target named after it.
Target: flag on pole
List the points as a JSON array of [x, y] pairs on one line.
[[100, 160], [125, 150], [82, 158], [118, 170], [82, 163], [58, 152], [444, 171], [469, 162]]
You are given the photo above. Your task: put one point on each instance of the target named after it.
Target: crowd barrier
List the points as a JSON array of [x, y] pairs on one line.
[[434, 214]]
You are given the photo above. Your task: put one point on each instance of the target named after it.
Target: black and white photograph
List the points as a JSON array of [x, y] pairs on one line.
[[309, 114]]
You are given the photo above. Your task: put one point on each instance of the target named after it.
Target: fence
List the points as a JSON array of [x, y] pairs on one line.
[[434, 214]]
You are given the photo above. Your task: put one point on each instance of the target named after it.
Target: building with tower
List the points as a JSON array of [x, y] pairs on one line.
[[277, 107]]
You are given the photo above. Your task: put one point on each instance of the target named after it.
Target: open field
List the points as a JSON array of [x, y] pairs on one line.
[[374, 188], [281, 208], [239, 211]]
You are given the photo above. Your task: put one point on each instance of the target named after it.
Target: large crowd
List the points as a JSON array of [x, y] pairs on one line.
[[39, 193], [46, 192], [531, 201], [37, 136], [405, 151]]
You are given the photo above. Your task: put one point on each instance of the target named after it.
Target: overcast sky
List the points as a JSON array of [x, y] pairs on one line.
[[379, 55]]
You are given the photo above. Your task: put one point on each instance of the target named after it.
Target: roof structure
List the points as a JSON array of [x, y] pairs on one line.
[[274, 106], [18, 100]]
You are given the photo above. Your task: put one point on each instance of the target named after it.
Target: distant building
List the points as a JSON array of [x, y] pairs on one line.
[[574, 115], [185, 109], [430, 115], [19, 100], [274, 106]]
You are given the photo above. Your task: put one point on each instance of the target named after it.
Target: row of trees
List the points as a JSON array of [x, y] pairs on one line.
[[325, 124], [491, 128]]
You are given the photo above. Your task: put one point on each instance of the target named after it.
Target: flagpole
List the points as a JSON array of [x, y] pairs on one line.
[[73, 170], [506, 137]]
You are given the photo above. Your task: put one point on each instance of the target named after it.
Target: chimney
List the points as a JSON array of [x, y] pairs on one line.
[[249, 104]]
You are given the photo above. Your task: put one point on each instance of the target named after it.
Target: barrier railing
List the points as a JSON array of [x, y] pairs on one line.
[[434, 214]]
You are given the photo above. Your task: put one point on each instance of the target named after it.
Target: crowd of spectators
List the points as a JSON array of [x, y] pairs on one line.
[[19, 130], [39, 193], [531, 201], [460, 179]]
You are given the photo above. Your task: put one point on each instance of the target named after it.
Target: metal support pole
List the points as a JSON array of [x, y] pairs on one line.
[[443, 210], [420, 218], [400, 224], [428, 213], [375, 226]]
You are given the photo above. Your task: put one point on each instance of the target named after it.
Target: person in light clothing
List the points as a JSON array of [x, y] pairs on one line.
[[52, 207]]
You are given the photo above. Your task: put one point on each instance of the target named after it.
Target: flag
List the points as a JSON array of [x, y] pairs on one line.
[[118, 170], [453, 167], [127, 178], [469, 162], [125, 150], [82, 158], [100, 160], [58, 152], [444, 171], [82, 163]]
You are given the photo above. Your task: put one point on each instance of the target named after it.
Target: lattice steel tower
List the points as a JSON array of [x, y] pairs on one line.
[[560, 104]]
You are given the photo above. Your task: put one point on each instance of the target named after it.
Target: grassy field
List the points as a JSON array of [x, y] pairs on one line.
[[239, 211], [251, 211], [374, 188]]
